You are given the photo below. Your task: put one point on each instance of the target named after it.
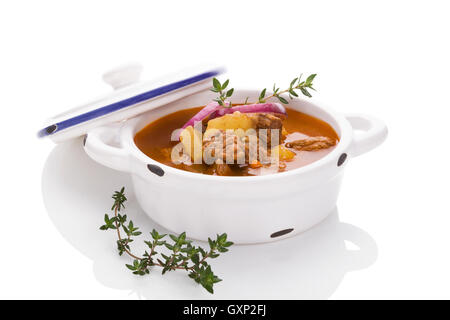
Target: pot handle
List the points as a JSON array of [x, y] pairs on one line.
[[98, 144], [368, 133]]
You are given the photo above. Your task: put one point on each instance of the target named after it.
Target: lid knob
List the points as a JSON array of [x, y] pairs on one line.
[[123, 76]]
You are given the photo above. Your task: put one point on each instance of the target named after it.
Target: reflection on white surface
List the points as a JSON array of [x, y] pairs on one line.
[[77, 193]]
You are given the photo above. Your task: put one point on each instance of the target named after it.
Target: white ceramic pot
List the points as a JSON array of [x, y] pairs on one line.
[[249, 209]]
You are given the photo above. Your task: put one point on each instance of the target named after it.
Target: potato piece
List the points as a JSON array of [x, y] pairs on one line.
[[240, 123], [283, 153], [192, 142], [232, 121]]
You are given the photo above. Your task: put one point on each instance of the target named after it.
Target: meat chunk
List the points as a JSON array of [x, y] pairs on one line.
[[238, 147], [223, 169], [223, 147], [311, 143], [268, 121], [227, 147]]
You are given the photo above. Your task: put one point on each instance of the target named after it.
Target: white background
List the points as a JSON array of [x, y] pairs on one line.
[[386, 58]]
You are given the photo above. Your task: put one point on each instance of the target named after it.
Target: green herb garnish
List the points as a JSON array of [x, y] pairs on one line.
[[296, 84], [223, 94], [181, 255]]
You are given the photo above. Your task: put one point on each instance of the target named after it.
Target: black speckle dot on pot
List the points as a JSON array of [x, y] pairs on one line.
[[155, 169], [342, 159], [84, 140], [281, 233], [51, 129]]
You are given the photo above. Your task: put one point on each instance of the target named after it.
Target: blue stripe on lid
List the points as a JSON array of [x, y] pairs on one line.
[[57, 127]]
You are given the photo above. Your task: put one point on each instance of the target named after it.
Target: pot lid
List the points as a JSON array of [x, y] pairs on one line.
[[129, 99]]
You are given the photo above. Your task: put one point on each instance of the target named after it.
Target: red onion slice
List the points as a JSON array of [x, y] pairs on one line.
[[215, 110], [202, 114], [251, 108]]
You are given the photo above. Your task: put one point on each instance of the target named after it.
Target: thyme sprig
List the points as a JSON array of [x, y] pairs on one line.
[[223, 94], [296, 84], [182, 254]]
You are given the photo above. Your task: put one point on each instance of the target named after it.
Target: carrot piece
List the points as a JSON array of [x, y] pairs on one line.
[[255, 165]]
